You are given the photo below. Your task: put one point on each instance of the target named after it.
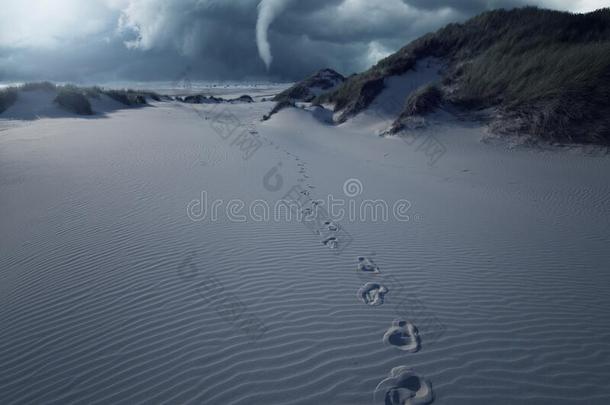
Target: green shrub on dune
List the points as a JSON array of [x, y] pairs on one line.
[[76, 99], [547, 73], [279, 106], [93, 92], [72, 99], [38, 86], [322, 81], [131, 97], [8, 97]]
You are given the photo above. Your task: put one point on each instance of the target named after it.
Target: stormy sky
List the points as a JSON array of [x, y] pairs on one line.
[[116, 40]]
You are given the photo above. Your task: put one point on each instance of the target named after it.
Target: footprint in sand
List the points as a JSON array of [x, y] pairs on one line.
[[331, 242], [331, 226], [403, 335], [367, 265], [372, 294], [404, 387]]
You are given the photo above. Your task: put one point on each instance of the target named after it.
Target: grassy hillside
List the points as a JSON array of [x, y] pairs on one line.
[[323, 81], [547, 73], [7, 97], [76, 99]]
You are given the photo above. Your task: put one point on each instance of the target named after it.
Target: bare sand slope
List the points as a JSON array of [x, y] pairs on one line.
[[489, 285]]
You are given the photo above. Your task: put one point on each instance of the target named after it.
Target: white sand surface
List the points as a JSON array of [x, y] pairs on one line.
[[112, 291]]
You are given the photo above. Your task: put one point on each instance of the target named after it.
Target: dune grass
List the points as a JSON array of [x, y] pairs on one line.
[[549, 69], [8, 97], [38, 86], [74, 100], [423, 101], [279, 106], [324, 79], [127, 97]]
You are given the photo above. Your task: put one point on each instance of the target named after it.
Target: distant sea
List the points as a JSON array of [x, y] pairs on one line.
[[181, 86]]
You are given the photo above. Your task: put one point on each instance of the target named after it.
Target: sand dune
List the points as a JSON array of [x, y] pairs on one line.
[[116, 287]]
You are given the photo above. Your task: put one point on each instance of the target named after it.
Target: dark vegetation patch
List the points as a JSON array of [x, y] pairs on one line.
[[203, 99], [306, 90], [420, 103], [546, 72], [244, 99], [37, 86], [74, 100], [8, 97], [279, 107], [128, 97]]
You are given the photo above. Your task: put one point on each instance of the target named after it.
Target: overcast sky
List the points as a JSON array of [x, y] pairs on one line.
[[110, 40]]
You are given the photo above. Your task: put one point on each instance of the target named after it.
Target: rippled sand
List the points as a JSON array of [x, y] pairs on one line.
[[116, 287]]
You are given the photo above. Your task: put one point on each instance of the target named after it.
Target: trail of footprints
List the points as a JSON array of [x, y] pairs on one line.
[[327, 230], [402, 386]]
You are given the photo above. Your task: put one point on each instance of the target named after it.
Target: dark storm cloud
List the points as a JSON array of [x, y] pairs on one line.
[[216, 39]]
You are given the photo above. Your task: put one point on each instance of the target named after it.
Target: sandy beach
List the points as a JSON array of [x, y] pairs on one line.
[[141, 261]]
